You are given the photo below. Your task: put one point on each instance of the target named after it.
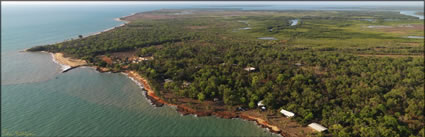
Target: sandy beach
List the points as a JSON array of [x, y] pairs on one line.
[[71, 62]]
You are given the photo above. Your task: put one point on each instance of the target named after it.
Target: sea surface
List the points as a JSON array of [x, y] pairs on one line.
[[412, 13], [36, 99]]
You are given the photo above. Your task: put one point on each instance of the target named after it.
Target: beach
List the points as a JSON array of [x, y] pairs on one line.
[[67, 63]]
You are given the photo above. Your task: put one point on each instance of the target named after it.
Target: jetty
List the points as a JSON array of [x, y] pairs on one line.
[[69, 68]]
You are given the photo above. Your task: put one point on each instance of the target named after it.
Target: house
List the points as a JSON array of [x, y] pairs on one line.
[[317, 127], [260, 104], [186, 84], [168, 80], [298, 64], [249, 69], [140, 59], [288, 114]]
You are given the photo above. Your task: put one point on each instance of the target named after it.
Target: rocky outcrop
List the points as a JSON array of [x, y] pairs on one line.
[[184, 110]]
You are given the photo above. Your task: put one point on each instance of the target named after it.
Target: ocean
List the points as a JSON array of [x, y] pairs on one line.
[[36, 99]]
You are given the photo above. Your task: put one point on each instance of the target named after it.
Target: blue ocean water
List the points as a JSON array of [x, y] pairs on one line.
[[37, 99]]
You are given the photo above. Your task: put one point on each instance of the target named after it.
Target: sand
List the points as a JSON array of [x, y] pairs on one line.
[[68, 61]]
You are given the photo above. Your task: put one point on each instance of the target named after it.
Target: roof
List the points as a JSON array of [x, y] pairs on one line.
[[168, 80], [287, 113], [317, 127], [249, 68], [185, 83], [260, 103]]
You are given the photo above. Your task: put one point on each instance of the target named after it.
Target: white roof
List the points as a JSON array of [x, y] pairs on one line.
[[249, 68], [317, 127], [260, 103], [287, 113]]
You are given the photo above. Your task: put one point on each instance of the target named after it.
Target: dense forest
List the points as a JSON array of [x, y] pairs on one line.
[[351, 71]]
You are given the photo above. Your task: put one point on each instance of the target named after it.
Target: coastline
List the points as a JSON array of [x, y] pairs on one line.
[[157, 101], [63, 66], [67, 63], [119, 19], [109, 29]]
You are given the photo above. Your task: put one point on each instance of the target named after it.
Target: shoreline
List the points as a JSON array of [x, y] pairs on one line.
[[111, 28], [63, 61], [66, 63], [63, 66], [157, 101], [149, 93]]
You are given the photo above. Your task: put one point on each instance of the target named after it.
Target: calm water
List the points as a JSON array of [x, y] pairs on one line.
[[294, 22], [37, 99], [267, 38], [415, 37], [412, 13]]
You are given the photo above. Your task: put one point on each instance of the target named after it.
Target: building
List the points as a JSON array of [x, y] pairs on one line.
[[260, 104], [317, 127], [186, 84], [140, 59], [298, 64], [168, 80], [249, 69], [288, 114]]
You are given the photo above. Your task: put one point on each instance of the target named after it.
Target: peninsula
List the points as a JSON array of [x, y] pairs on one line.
[[350, 73]]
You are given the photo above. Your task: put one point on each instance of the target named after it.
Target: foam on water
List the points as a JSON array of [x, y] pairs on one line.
[[63, 66]]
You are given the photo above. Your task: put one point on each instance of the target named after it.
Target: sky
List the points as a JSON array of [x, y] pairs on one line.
[[330, 3]]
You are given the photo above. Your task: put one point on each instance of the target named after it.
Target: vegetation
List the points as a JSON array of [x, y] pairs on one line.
[[324, 68]]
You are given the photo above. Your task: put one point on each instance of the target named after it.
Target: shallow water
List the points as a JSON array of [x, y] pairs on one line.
[[412, 13], [379, 26], [294, 22], [38, 99], [267, 38], [84, 102], [415, 37]]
